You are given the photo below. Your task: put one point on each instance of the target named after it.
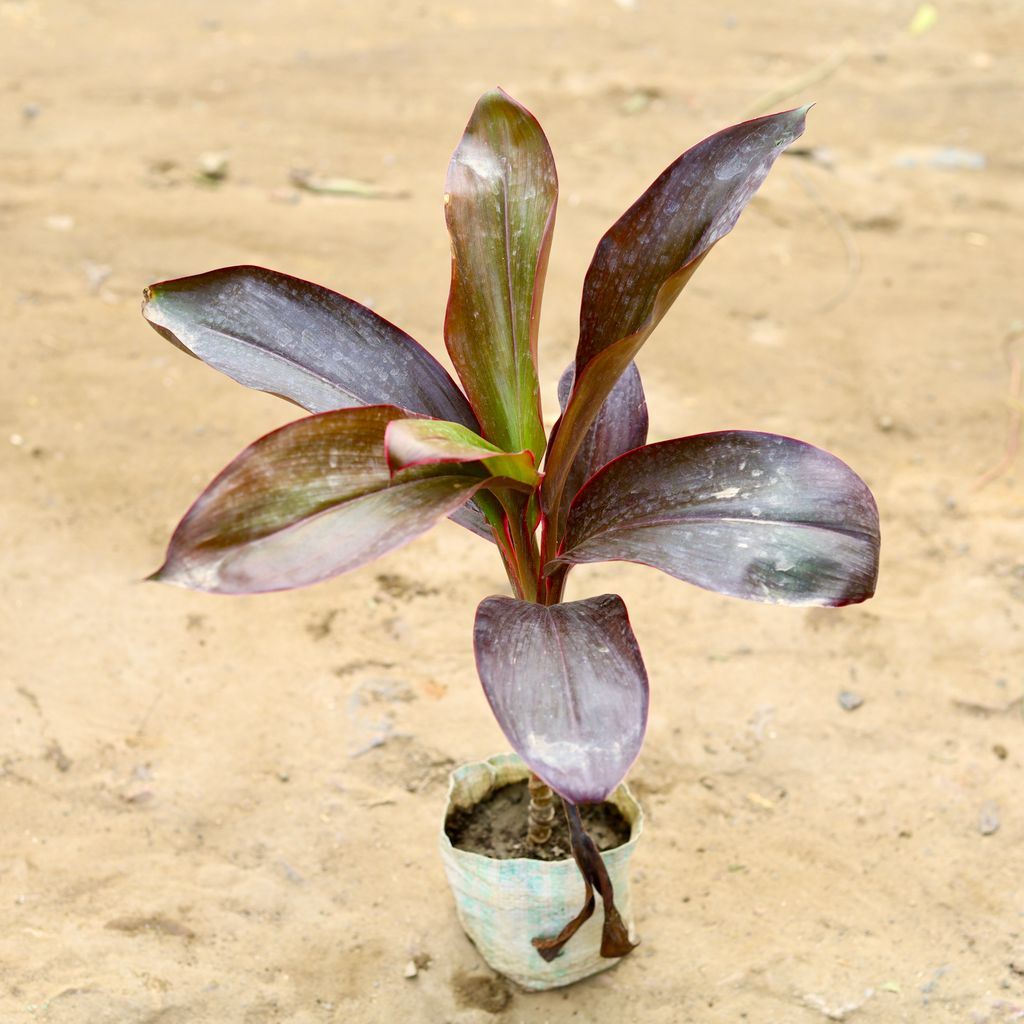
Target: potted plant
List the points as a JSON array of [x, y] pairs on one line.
[[393, 445]]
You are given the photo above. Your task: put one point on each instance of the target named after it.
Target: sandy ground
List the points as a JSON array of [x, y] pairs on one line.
[[225, 810]]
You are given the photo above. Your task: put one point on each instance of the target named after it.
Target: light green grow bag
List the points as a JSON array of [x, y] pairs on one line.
[[503, 904]]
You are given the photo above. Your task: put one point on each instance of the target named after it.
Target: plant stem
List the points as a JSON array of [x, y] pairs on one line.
[[552, 585], [521, 555], [542, 812], [523, 545]]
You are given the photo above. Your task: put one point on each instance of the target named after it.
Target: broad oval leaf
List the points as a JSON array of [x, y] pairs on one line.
[[307, 502], [302, 342], [422, 442], [753, 515], [568, 687], [307, 344], [645, 259], [620, 426], [500, 209]]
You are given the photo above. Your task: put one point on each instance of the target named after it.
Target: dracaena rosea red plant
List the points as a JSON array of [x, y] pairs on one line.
[[394, 445]]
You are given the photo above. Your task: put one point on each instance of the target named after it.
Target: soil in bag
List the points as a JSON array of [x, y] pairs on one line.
[[496, 827]]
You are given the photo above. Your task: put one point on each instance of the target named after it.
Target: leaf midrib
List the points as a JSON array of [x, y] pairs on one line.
[[325, 508], [572, 703], [251, 344], [513, 327], [708, 520]]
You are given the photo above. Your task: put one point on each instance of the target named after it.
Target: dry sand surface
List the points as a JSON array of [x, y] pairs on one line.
[[225, 810]]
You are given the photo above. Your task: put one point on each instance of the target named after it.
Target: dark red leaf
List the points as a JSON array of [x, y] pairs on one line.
[[307, 502], [646, 258], [753, 515], [620, 426], [305, 343], [568, 687]]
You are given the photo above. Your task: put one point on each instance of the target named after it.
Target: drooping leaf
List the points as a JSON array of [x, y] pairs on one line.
[[307, 502], [303, 342], [418, 442], [500, 208], [568, 687], [615, 940], [620, 426], [753, 515], [645, 259]]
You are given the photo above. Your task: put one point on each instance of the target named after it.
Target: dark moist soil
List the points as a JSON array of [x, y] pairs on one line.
[[497, 827]]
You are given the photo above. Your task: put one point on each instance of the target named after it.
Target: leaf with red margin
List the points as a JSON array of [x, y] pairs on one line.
[[307, 502], [757, 516], [500, 209], [620, 426], [646, 258], [568, 687], [307, 344], [421, 442], [302, 342]]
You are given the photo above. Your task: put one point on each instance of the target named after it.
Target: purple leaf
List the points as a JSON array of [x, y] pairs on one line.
[[500, 209], [472, 517], [568, 687], [620, 426], [753, 515], [646, 258], [305, 343], [307, 502]]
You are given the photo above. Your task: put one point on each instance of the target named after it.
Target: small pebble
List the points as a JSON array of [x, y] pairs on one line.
[[850, 701], [988, 820], [213, 166], [411, 970], [60, 222], [290, 873]]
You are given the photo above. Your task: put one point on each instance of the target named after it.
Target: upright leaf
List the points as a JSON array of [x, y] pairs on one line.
[[305, 343], [620, 426], [753, 515], [646, 258], [568, 687], [307, 502], [500, 209]]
